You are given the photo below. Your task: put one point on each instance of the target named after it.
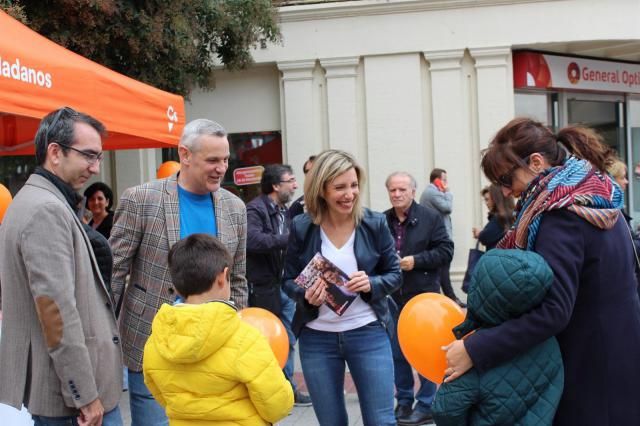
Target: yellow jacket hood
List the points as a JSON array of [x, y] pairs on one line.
[[186, 333]]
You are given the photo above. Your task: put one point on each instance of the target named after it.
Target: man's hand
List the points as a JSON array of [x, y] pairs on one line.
[[91, 414], [407, 263]]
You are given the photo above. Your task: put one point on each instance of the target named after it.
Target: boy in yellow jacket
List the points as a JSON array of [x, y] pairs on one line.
[[202, 363]]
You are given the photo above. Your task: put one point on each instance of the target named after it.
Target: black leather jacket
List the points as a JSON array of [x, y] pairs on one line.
[[375, 254]]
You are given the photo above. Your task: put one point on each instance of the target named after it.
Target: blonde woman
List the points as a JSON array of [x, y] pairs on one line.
[[358, 241], [618, 170]]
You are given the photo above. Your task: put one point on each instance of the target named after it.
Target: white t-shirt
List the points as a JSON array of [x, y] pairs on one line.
[[359, 313]]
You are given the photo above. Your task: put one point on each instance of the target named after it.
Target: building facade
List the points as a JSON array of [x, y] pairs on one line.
[[417, 84], [412, 85]]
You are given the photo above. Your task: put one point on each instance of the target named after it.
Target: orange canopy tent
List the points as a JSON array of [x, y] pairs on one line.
[[38, 76]]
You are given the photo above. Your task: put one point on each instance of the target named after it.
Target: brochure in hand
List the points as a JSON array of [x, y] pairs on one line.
[[319, 267]]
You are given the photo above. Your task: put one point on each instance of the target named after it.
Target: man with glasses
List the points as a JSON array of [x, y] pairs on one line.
[[60, 352], [267, 236], [297, 207], [149, 220]]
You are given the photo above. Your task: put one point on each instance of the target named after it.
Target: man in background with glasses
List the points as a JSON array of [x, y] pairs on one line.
[[267, 236], [60, 351], [149, 220]]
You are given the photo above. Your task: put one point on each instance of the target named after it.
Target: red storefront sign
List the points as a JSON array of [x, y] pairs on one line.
[[247, 175], [541, 70]]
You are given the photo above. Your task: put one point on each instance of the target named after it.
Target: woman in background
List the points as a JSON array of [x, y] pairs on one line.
[[500, 217], [618, 170], [358, 242], [99, 200]]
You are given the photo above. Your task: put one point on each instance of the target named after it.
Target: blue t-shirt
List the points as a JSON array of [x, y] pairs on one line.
[[197, 213]]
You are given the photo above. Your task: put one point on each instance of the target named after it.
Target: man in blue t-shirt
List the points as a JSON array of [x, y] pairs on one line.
[[150, 218]]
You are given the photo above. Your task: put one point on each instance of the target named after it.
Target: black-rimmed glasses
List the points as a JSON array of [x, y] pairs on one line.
[[292, 180], [90, 156]]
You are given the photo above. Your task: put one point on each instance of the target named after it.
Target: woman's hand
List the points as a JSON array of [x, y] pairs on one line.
[[358, 282], [317, 293], [458, 360], [475, 232]]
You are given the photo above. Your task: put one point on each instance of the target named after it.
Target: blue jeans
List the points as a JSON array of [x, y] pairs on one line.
[[367, 352], [286, 316], [404, 377], [145, 411], [112, 418]]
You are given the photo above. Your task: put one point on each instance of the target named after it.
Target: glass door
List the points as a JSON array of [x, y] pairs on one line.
[[604, 114]]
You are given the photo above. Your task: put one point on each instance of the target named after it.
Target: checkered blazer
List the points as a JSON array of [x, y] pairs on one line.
[[145, 226]]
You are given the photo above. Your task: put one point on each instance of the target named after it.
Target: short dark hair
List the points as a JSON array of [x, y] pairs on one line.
[[58, 127], [195, 262], [272, 175], [435, 174], [99, 186], [311, 159]]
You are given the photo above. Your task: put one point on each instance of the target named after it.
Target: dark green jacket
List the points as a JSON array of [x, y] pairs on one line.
[[525, 390]]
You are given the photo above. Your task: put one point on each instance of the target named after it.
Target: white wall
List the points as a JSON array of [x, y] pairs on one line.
[[243, 101]]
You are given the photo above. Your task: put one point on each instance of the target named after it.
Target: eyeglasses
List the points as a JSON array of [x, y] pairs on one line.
[[90, 156], [506, 179], [292, 180]]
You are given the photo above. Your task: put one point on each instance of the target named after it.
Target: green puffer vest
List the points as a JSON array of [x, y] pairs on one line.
[[526, 390]]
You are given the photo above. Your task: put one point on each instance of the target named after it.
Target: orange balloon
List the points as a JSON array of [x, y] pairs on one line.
[[424, 326], [5, 200], [271, 327], [168, 168]]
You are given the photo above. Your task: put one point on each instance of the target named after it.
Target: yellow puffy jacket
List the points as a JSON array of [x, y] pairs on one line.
[[207, 367]]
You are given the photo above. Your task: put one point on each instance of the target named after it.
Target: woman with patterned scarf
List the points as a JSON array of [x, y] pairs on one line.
[[569, 212]]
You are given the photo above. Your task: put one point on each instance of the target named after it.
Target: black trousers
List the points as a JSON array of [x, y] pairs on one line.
[[266, 296], [445, 281]]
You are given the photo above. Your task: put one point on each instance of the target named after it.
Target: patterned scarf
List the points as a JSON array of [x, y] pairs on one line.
[[576, 186]]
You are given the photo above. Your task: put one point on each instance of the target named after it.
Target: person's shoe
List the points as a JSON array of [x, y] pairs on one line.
[[301, 399], [417, 418], [402, 410]]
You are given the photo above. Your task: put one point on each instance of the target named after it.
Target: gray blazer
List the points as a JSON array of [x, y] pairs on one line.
[[442, 202], [146, 225], [60, 347]]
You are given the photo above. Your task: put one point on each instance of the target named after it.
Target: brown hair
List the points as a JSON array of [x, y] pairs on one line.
[[436, 174], [521, 137], [195, 262], [502, 206]]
